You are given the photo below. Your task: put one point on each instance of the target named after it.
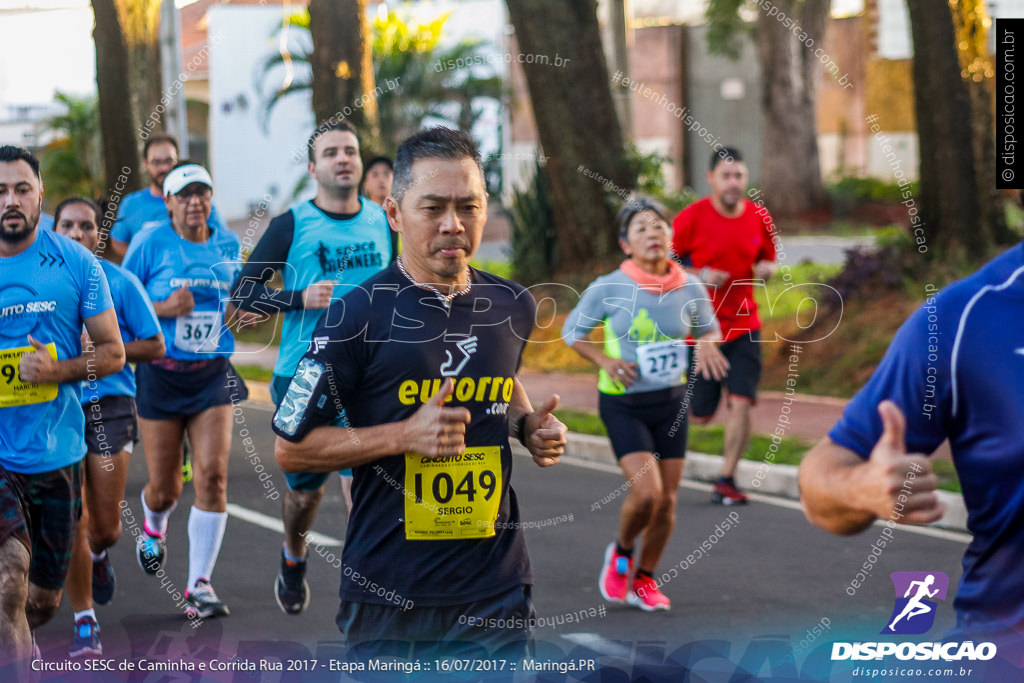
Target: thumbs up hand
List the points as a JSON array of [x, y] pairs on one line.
[[435, 431], [894, 484], [545, 434], [38, 366]]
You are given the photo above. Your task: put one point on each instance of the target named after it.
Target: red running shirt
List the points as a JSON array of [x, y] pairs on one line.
[[704, 237]]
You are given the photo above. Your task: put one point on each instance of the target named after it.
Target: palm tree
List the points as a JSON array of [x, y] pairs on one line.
[[416, 77], [72, 163]]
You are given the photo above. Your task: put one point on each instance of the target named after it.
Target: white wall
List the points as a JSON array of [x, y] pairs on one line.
[[904, 148], [248, 161]]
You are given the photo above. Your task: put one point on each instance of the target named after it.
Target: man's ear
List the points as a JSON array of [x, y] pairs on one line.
[[393, 212]]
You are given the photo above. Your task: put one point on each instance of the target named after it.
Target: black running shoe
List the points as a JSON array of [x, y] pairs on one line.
[[291, 588], [103, 580]]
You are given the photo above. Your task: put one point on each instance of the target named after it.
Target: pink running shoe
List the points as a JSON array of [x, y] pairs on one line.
[[614, 580], [646, 595]]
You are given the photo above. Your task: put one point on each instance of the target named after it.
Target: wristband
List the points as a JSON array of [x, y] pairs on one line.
[[518, 431]]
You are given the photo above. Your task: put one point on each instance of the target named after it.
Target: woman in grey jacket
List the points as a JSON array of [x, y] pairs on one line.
[[647, 309]]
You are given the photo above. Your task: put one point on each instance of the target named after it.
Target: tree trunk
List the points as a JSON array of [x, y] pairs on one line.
[[140, 24], [117, 123], [960, 209], [790, 170], [969, 18], [576, 121], [343, 84]]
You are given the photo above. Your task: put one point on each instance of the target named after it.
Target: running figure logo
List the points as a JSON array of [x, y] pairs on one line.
[[466, 347], [914, 613]]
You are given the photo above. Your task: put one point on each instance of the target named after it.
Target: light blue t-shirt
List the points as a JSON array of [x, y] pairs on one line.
[[141, 210], [137, 320], [47, 291], [323, 248], [165, 261]]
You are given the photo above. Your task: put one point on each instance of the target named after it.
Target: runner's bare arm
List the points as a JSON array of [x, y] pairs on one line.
[[711, 363], [117, 251], [145, 350], [844, 493], [433, 431], [617, 368], [826, 475], [104, 358]]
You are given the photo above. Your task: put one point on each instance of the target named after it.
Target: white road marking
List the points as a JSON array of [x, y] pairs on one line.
[[275, 524], [598, 644]]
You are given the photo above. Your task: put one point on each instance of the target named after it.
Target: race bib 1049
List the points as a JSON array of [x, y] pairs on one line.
[[16, 392], [452, 498]]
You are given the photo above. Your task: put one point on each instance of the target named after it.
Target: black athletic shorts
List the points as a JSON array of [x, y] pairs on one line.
[[170, 388], [497, 624], [652, 421], [111, 425], [744, 356], [42, 511]]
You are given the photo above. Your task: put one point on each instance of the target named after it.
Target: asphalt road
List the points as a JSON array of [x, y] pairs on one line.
[[770, 578]]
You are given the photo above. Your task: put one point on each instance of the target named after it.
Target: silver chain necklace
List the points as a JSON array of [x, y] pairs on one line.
[[446, 299]]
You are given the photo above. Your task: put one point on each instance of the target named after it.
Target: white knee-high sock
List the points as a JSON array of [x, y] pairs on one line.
[[205, 533], [156, 522]]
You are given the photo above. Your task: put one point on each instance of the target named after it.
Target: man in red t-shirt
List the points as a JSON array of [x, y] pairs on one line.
[[726, 240]]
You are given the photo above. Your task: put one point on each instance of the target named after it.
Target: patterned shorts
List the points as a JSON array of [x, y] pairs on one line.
[[41, 511]]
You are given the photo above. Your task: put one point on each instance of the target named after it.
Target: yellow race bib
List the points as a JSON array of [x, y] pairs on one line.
[[452, 498], [15, 392]]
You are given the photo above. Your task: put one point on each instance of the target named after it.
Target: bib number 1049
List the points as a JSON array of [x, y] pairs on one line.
[[454, 497], [443, 487]]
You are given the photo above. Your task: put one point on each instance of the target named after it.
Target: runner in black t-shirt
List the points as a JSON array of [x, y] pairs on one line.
[[434, 549]]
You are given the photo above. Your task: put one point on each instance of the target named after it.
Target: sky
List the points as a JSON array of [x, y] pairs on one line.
[[68, 23], [72, 68]]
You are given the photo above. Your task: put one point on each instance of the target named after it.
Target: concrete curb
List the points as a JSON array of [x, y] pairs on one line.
[[259, 392], [778, 480], [775, 480]]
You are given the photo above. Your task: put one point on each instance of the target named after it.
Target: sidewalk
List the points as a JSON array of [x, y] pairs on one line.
[[810, 417]]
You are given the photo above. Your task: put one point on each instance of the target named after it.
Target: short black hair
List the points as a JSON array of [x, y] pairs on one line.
[[436, 142], [327, 127], [634, 206], [9, 154], [378, 160], [75, 200], [724, 154], [158, 139]]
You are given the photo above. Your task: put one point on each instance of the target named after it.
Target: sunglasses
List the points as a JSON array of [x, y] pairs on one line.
[[201, 191]]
